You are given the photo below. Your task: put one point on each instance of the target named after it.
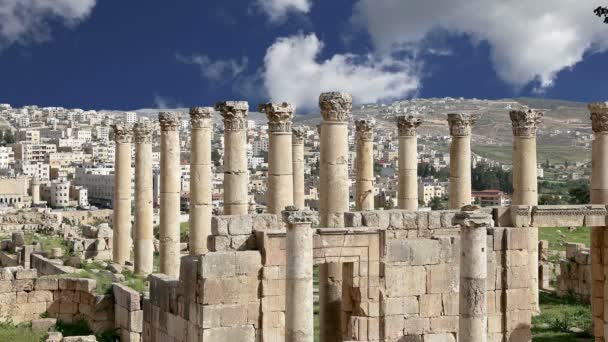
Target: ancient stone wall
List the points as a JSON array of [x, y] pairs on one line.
[[236, 232], [574, 276]]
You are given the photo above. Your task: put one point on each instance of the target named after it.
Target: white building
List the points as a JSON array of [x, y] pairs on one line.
[[33, 169], [7, 157], [130, 117]]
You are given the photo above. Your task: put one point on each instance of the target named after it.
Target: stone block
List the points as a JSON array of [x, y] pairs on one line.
[[26, 274], [572, 248], [219, 225], [400, 306], [517, 238], [240, 225], [446, 337], [43, 324], [442, 278], [219, 243], [430, 305], [242, 242], [353, 219], [424, 251], [218, 265], [241, 334], [248, 263], [126, 297], [403, 281], [416, 325]]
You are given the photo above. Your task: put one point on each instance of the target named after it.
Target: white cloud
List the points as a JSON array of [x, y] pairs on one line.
[[23, 21], [215, 70], [529, 40], [293, 73], [277, 10]]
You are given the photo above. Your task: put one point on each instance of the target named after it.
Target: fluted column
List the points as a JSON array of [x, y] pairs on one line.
[[364, 166], [35, 190], [170, 179], [408, 162], [299, 309], [333, 202], [460, 159], [122, 193], [236, 179], [144, 229], [525, 184], [599, 195], [472, 321], [297, 144], [201, 122], [280, 168]]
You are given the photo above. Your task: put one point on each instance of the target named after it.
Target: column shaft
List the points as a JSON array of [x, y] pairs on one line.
[[280, 174], [170, 179], [298, 168], [144, 231], [201, 176], [122, 195], [364, 197], [460, 172], [407, 191]]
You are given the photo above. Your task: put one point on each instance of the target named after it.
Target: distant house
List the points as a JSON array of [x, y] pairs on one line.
[[488, 198]]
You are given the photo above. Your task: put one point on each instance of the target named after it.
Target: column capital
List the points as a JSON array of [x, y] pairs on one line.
[[407, 125], [472, 217], [335, 106], [142, 132], [525, 122], [461, 123], [291, 215], [279, 116], [599, 116], [365, 129], [169, 121], [234, 114], [200, 117], [298, 134], [123, 133]]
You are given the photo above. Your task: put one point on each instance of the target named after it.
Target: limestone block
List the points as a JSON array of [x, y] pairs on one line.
[[502, 216], [26, 274], [219, 225], [521, 215], [218, 243], [447, 218], [353, 219], [518, 299], [517, 238], [441, 278], [248, 263], [17, 239], [400, 306], [416, 325], [424, 251], [126, 297], [6, 286], [240, 225], [430, 305], [241, 334], [23, 285], [86, 285], [450, 304], [242, 242], [105, 232], [438, 338], [43, 324], [218, 265], [434, 219], [39, 296], [405, 281], [572, 248], [397, 251]]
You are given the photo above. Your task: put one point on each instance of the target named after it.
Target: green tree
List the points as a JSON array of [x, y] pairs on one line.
[[550, 199], [484, 177], [437, 203], [215, 157], [579, 193]]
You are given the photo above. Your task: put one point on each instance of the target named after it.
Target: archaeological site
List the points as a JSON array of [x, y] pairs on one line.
[[292, 273]]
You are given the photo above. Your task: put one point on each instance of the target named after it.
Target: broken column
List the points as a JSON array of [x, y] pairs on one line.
[[333, 202], [236, 179], [297, 151], [144, 229], [121, 220], [599, 195], [280, 169], [35, 190], [460, 159], [408, 162], [201, 122], [525, 184], [364, 196], [170, 179], [472, 321], [299, 308]]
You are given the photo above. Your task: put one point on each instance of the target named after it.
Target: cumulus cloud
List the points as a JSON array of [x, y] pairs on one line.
[[277, 10], [217, 70], [23, 21], [292, 72], [529, 40]]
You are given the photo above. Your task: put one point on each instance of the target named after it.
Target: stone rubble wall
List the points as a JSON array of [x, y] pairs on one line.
[[96, 242], [217, 298], [574, 277]]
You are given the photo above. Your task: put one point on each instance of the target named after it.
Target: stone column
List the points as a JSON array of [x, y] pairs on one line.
[[236, 179], [333, 202], [144, 229], [599, 195], [35, 189], [408, 162], [170, 179], [297, 150], [279, 193], [460, 159], [299, 301], [525, 184], [201, 176], [472, 321], [122, 194], [364, 166]]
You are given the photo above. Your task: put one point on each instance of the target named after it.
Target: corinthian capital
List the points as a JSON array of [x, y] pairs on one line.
[[291, 215], [298, 134], [122, 133], [365, 129], [407, 125], [599, 116], [335, 106], [169, 121], [142, 132], [461, 124], [525, 122], [234, 113], [279, 116], [200, 117]]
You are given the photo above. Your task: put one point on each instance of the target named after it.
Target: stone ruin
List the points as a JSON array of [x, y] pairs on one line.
[[464, 274]]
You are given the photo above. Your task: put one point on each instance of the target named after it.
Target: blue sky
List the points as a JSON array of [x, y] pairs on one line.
[[117, 54]]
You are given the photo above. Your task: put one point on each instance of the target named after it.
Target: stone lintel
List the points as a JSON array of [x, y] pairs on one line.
[[525, 122], [123, 133], [335, 106], [169, 121], [407, 125], [461, 123]]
